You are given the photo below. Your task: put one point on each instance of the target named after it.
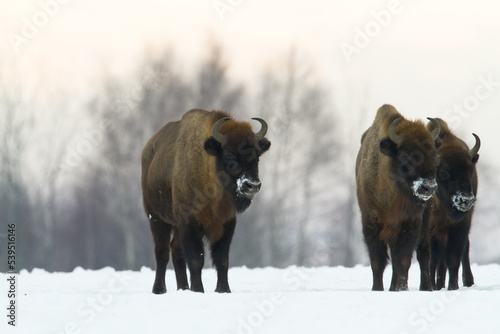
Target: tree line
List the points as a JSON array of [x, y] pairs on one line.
[[73, 189]]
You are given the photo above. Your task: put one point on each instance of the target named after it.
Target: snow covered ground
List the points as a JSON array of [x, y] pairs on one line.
[[268, 300]]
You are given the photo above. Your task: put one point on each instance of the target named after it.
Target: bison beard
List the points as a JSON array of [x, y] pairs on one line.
[[395, 176], [197, 174]]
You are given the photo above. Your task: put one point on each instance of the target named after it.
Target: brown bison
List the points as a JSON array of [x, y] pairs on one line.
[[197, 174], [395, 177], [452, 208]]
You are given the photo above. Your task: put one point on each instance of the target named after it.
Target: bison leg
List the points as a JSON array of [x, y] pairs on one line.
[[192, 246], [401, 254], [438, 267], [220, 256], [457, 240], [434, 262], [161, 237], [179, 262], [424, 253], [377, 251], [423, 257], [441, 275], [467, 277]]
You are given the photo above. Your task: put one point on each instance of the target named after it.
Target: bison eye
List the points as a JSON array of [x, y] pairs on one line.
[[404, 158], [229, 157], [444, 175]]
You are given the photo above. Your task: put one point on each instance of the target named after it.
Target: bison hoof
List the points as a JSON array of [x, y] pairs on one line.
[[198, 288], [159, 289], [225, 290], [468, 282], [426, 287]]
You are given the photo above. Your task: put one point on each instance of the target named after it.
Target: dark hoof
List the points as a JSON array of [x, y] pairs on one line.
[[159, 289], [197, 289], [468, 282], [426, 283]]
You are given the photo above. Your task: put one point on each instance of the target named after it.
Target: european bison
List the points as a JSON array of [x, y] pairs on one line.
[[197, 174], [395, 177], [452, 208]]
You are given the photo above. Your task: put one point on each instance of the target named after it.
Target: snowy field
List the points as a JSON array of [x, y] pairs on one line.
[[292, 300]]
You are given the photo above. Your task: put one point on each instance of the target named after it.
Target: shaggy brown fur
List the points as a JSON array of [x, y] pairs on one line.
[[450, 220], [387, 176], [189, 183]]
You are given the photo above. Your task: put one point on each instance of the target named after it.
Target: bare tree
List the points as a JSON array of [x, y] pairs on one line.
[[213, 89], [302, 131], [15, 203], [134, 112]]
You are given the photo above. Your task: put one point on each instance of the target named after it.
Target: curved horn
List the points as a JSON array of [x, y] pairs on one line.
[[262, 133], [476, 147], [392, 133], [437, 128], [215, 130]]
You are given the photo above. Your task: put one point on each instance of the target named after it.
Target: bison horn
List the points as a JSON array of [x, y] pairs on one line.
[[476, 147], [437, 128], [392, 133], [262, 133], [215, 130]]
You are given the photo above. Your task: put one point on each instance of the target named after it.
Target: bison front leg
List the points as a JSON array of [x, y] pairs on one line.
[[424, 253], [179, 261], [457, 241], [401, 254], [423, 257], [377, 251], [161, 237], [441, 275], [467, 277], [192, 247], [220, 256], [438, 268]]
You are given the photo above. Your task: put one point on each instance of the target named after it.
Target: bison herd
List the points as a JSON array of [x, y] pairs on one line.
[[416, 185]]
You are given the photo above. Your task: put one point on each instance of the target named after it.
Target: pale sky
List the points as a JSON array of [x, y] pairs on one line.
[[428, 58]]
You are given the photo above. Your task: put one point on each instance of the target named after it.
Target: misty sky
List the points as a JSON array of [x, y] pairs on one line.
[[428, 58]]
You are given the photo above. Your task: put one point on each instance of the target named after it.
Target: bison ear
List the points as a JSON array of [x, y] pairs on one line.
[[264, 145], [213, 147], [388, 147], [475, 158]]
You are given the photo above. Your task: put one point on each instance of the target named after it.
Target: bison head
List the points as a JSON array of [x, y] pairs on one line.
[[457, 178], [237, 149], [413, 158]]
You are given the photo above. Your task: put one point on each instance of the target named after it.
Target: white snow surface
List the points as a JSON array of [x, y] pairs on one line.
[[267, 300]]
